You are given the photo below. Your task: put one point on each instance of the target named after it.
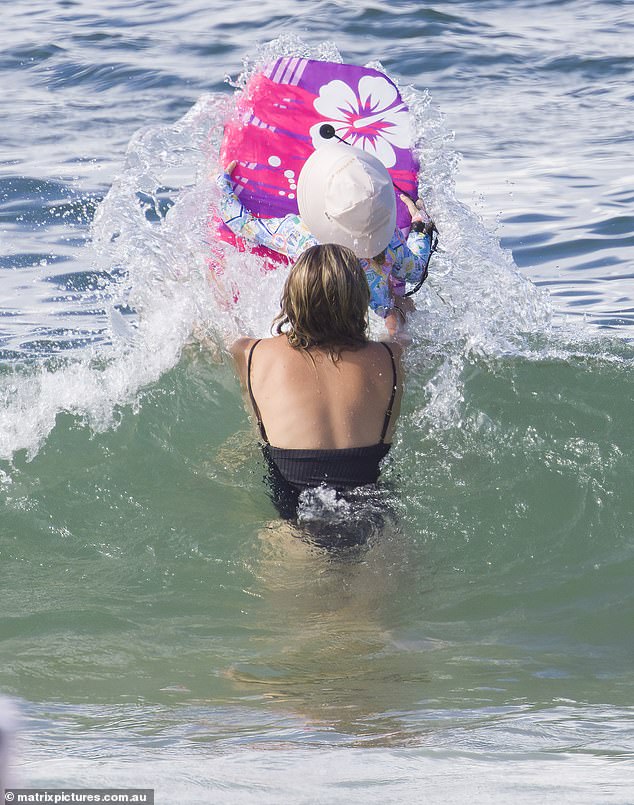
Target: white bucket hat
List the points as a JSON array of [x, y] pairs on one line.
[[345, 196]]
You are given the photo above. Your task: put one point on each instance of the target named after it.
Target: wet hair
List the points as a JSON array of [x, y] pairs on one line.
[[325, 301]]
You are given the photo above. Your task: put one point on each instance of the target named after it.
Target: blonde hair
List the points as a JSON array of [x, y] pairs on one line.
[[325, 301]]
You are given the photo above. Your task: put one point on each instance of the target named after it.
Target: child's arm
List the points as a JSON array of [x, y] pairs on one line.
[[287, 235], [382, 300], [411, 256]]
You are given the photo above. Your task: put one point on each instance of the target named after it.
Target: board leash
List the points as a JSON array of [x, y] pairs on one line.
[[327, 131]]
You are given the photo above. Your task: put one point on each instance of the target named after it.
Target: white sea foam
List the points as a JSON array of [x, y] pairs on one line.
[[151, 235]]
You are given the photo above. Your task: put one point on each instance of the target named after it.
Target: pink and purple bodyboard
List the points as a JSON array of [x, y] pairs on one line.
[[279, 122]]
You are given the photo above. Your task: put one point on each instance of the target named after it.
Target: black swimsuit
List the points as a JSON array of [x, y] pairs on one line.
[[291, 470]]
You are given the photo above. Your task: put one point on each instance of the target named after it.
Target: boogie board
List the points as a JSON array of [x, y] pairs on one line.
[[294, 106]]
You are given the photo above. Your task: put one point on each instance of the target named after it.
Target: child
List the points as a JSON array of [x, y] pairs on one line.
[[345, 196]]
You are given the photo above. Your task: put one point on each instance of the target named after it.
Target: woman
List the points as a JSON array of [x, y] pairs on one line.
[[325, 398]]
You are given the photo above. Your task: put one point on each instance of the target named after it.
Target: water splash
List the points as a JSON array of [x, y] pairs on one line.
[[151, 244]]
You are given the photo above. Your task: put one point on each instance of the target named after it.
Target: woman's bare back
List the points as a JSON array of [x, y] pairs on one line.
[[307, 400]]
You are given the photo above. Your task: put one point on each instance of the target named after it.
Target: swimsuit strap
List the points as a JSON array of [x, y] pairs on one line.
[[388, 413], [258, 416]]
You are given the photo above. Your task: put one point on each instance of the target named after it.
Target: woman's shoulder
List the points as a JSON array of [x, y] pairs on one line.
[[382, 347], [273, 347], [381, 358], [373, 357], [242, 347]]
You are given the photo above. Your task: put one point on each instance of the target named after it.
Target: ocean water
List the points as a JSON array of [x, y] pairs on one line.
[[158, 626]]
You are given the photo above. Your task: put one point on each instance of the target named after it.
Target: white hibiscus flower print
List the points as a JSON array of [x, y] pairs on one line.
[[373, 118]]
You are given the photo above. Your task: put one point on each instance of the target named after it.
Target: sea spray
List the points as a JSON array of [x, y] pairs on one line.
[[152, 246]]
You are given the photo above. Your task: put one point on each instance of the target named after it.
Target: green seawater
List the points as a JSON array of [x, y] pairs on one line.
[[150, 593]]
